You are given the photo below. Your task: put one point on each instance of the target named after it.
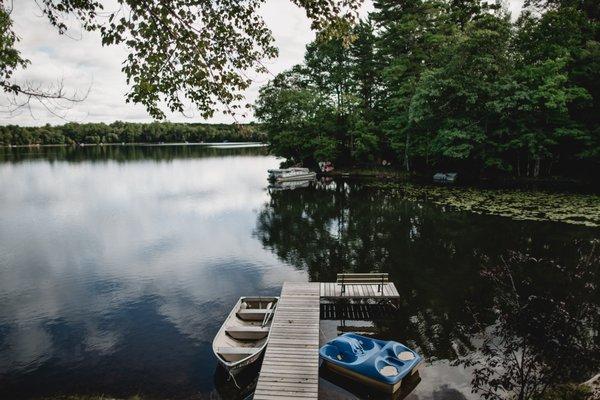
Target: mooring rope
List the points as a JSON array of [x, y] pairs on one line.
[[234, 381]]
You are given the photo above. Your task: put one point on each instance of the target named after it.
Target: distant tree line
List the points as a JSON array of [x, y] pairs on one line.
[[431, 84], [124, 132]]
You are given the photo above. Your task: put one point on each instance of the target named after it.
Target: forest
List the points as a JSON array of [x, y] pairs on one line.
[[429, 85], [126, 132]]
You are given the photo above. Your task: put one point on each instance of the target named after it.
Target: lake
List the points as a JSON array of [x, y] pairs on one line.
[[118, 265]]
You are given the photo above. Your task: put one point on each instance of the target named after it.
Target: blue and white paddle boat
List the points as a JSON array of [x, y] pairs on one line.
[[378, 363]]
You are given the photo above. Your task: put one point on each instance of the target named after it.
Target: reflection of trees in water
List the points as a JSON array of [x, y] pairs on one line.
[[123, 153], [434, 256], [546, 330]]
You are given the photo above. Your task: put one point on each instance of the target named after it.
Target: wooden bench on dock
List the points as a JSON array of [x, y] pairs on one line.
[[379, 279], [360, 286]]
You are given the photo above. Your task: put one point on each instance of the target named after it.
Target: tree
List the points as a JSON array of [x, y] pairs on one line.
[[10, 57], [21, 94], [552, 96], [364, 72], [334, 89], [408, 35], [123, 132], [450, 111], [546, 327], [179, 50], [295, 117], [459, 85], [366, 141], [537, 101]]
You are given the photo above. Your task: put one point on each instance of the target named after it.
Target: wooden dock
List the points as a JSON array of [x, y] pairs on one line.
[[332, 290], [290, 368]]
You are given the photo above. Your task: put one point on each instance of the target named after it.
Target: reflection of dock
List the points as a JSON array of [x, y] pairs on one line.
[[290, 368], [357, 312]]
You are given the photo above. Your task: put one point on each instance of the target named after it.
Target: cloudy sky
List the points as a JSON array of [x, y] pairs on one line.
[[83, 64]]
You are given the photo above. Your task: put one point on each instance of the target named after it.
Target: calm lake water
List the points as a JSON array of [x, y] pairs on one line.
[[118, 265]]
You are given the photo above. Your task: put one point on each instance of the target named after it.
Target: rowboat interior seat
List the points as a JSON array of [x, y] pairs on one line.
[[252, 314], [236, 353], [248, 332]]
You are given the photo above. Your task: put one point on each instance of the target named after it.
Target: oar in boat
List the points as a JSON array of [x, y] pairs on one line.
[[269, 314]]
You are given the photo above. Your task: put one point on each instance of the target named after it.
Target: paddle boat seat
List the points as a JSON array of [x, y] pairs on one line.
[[375, 362]]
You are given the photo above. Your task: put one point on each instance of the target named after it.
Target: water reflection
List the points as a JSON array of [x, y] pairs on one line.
[[127, 153], [547, 325], [239, 388], [276, 186], [118, 264], [114, 277], [437, 259], [356, 390]]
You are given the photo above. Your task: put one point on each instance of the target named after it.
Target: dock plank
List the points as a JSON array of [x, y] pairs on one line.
[[291, 363], [332, 290]]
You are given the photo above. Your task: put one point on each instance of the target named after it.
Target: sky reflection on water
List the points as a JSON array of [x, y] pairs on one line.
[[129, 264], [118, 265]]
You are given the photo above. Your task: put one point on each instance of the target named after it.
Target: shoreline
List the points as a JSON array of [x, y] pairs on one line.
[[27, 146], [389, 175], [552, 200], [379, 174]]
